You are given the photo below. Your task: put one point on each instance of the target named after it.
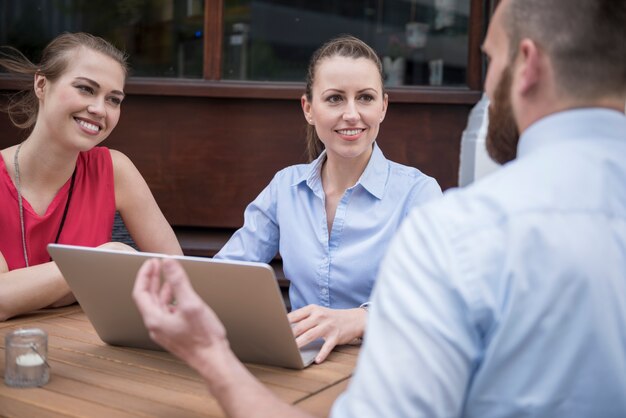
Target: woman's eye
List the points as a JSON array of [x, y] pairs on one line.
[[335, 98], [85, 89], [367, 98], [115, 100]]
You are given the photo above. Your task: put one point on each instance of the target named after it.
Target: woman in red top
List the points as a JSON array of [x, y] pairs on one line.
[[57, 186]]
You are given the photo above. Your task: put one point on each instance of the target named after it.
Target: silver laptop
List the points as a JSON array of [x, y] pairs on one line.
[[244, 295]]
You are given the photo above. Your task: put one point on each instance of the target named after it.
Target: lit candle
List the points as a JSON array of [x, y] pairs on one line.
[[31, 366], [27, 360], [25, 363]]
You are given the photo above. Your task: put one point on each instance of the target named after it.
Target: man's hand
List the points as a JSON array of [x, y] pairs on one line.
[[175, 316]]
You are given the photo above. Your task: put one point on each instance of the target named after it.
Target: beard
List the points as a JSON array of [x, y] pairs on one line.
[[502, 133]]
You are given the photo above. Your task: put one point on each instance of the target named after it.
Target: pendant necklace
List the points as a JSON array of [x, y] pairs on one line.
[[21, 204]]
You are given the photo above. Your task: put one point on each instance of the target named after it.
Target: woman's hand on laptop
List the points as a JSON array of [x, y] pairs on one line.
[[335, 326], [175, 316]]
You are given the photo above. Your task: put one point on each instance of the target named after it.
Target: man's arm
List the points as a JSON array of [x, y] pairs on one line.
[[181, 322]]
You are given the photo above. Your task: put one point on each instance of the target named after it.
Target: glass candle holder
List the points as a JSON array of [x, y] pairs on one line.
[[26, 363]]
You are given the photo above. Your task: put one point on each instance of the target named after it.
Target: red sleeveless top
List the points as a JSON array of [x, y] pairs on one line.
[[89, 219]]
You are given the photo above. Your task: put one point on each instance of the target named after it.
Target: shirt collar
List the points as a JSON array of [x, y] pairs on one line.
[[375, 175], [373, 179], [576, 124]]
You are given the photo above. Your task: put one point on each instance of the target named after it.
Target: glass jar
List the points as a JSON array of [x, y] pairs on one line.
[[26, 362]]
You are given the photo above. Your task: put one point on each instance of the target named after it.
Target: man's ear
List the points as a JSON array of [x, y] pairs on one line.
[[40, 85], [530, 66]]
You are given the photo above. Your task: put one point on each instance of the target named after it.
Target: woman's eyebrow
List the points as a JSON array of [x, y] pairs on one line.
[[95, 84]]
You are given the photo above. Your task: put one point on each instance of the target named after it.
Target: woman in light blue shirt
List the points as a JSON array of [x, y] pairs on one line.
[[331, 219]]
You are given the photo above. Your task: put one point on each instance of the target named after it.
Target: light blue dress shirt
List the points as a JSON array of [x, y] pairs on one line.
[[289, 217], [508, 298]]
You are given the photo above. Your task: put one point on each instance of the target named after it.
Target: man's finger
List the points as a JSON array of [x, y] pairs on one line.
[[154, 276], [142, 294], [176, 276], [166, 295], [145, 278]]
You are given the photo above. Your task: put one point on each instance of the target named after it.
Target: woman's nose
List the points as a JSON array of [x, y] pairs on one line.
[[96, 108], [351, 112]]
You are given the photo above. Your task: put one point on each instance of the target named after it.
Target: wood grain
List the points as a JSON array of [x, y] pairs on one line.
[[92, 379]]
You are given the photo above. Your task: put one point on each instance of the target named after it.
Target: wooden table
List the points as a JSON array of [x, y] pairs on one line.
[[91, 379]]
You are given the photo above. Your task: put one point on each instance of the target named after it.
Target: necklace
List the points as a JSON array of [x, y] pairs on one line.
[[21, 204]]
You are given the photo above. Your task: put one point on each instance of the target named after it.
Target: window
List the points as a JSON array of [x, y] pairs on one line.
[[164, 38], [422, 42]]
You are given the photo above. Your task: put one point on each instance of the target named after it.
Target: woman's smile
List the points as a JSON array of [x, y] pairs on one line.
[[351, 134]]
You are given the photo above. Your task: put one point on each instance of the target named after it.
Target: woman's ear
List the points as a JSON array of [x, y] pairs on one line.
[[40, 85], [385, 106], [306, 109]]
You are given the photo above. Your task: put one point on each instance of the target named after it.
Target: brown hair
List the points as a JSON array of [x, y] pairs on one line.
[[23, 106], [343, 46], [585, 39]]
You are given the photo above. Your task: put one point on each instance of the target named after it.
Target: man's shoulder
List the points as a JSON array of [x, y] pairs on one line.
[[488, 203]]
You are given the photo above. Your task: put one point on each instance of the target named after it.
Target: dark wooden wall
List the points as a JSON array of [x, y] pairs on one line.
[[206, 156]]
